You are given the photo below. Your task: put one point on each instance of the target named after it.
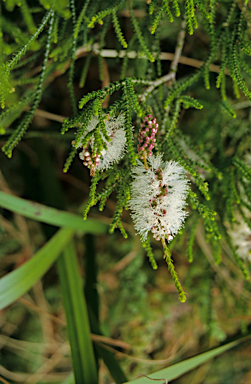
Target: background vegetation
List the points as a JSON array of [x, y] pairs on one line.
[[170, 58]]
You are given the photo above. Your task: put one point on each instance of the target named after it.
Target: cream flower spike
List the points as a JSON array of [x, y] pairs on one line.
[[115, 147], [158, 198], [241, 236]]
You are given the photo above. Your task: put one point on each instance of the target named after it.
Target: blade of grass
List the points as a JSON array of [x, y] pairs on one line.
[[108, 357], [50, 215], [69, 380], [112, 364], [92, 299], [179, 369], [83, 361], [16, 283], [90, 285], [90, 288]]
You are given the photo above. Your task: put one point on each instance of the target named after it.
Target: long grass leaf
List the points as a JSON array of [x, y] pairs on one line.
[[183, 367], [91, 283], [69, 380], [104, 353], [91, 271], [16, 283], [50, 215], [112, 364], [83, 361]]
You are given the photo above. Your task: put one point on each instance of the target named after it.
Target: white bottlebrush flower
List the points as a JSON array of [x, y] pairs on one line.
[[115, 147], [241, 232], [241, 236], [158, 198]]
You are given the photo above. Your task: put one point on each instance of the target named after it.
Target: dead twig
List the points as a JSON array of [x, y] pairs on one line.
[[96, 338]]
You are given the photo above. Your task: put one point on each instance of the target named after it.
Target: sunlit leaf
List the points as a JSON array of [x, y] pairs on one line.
[[83, 360], [16, 283], [179, 369], [50, 215]]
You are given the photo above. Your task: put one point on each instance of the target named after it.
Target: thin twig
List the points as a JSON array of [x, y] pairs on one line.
[[22, 377], [44, 369], [46, 322], [165, 381], [179, 47], [155, 84], [3, 380], [50, 116], [223, 274], [246, 12], [102, 339], [127, 259], [181, 346], [170, 77], [113, 53], [165, 56], [105, 82]]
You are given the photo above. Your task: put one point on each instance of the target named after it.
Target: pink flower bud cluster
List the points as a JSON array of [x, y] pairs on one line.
[[90, 159], [147, 138]]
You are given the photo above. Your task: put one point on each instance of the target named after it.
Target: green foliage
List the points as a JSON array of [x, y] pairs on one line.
[[5, 70], [61, 7], [157, 20], [198, 125], [167, 10], [190, 14], [118, 30], [167, 255], [85, 70], [80, 19], [190, 102], [243, 168], [102, 14], [139, 35], [91, 201], [123, 195], [229, 37], [177, 89], [147, 246], [191, 239], [73, 50], [20, 131]]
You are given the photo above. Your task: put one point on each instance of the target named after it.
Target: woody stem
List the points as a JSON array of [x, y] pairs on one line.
[[145, 161]]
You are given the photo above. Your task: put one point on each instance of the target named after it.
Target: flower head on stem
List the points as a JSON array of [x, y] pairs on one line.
[[241, 236], [158, 196], [158, 199], [113, 150]]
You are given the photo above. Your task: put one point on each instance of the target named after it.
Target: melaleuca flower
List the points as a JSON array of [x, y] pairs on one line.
[[241, 236], [115, 147], [158, 198], [241, 232]]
